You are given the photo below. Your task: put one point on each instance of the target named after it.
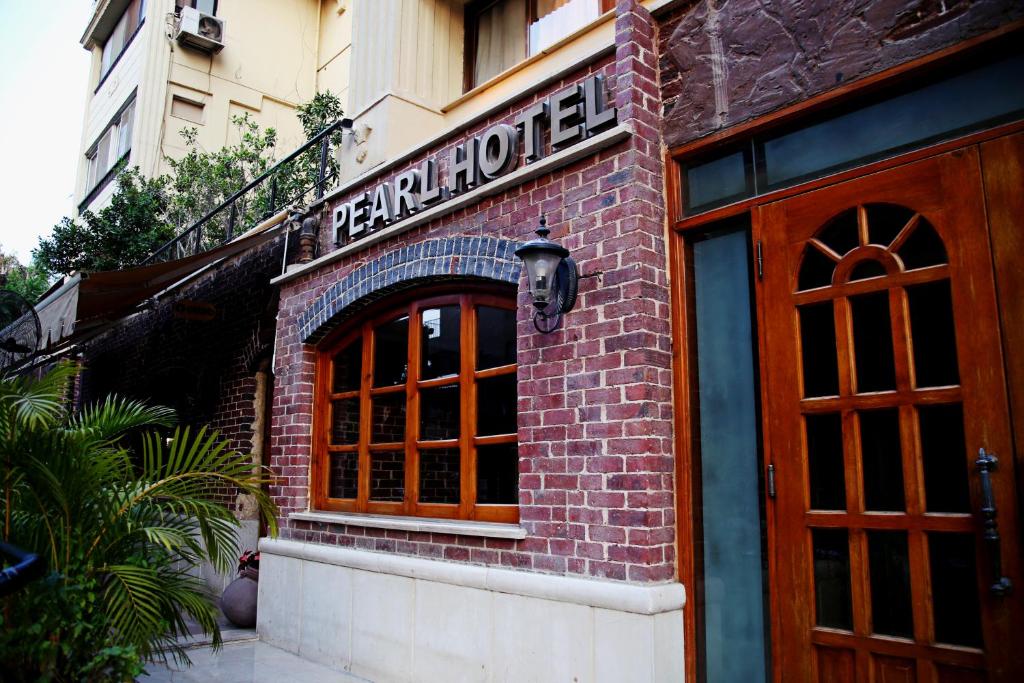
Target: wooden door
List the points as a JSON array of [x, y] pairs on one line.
[[883, 378]]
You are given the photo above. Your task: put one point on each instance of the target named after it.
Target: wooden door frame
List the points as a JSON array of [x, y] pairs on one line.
[[680, 265]]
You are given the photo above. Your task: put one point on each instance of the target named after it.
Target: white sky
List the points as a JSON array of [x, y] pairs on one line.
[[43, 74]]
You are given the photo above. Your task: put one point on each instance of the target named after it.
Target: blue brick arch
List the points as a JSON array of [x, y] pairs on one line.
[[437, 260]]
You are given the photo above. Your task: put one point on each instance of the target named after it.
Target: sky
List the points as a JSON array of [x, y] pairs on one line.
[[43, 82]]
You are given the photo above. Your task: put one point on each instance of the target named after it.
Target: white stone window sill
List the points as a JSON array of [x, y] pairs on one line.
[[431, 525]]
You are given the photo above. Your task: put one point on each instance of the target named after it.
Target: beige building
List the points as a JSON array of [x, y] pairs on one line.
[[160, 66]]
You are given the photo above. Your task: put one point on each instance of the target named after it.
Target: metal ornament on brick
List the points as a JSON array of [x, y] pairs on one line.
[[553, 278]]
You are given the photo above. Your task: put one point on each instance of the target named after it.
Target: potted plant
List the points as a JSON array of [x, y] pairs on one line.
[[238, 601]]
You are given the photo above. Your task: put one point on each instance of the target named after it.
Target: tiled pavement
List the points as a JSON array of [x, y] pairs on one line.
[[247, 661]]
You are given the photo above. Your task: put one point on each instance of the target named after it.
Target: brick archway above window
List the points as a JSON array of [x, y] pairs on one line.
[[438, 260]]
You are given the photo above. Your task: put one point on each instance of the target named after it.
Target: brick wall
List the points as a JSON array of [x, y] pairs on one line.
[[727, 61], [595, 408], [205, 370]]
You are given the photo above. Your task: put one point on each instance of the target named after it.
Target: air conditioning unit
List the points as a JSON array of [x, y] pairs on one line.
[[203, 32]]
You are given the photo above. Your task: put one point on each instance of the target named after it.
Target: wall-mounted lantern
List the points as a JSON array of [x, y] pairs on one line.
[[552, 276]]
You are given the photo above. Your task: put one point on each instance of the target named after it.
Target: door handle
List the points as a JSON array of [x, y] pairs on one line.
[[986, 464]]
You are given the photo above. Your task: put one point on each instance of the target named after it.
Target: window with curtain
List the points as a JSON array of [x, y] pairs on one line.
[[502, 33], [113, 145], [122, 35], [416, 411]]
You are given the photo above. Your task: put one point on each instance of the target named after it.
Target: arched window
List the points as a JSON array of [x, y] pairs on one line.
[[416, 411]]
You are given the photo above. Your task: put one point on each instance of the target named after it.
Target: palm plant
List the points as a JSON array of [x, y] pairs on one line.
[[121, 513]]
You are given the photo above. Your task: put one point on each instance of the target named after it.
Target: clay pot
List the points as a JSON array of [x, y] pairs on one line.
[[239, 599]]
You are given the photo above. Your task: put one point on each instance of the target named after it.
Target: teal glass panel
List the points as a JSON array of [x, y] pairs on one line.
[[719, 180], [971, 100], [733, 565]]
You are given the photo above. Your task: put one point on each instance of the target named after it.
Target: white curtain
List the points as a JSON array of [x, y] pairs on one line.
[[501, 39]]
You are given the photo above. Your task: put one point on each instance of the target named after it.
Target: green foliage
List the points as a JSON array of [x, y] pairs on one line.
[[29, 281], [119, 528], [146, 213], [120, 235]]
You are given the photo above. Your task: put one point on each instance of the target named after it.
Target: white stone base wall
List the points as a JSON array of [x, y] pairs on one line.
[[396, 618]]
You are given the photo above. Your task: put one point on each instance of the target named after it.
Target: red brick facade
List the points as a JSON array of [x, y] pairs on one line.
[[595, 423]]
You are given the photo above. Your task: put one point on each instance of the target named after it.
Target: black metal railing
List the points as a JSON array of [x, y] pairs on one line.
[[276, 188]]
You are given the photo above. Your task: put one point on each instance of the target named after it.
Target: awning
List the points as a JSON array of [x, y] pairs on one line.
[[83, 302]]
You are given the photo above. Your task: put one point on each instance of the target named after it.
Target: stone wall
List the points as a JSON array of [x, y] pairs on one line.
[[595, 407], [723, 62]]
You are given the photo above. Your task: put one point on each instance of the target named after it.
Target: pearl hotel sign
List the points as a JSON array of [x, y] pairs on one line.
[[566, 118]]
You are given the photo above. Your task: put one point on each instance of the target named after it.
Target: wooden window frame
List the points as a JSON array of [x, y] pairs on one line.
[[471, 23], [468, 298]]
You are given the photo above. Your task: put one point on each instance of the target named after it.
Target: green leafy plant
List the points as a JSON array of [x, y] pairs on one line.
[[122, 514], [145, 213]]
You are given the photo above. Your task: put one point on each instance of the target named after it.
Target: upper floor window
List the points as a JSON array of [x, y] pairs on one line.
[[122, 35], [204, 6], [113, 145], [416, 412], [502, 33]]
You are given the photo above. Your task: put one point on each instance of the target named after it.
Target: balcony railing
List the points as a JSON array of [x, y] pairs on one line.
[[276, 188]]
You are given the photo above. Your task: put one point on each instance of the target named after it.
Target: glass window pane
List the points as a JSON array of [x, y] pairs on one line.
[[840, 233], [889, 565], [343, 479], [816, 269], [825, 461], [954, 589], [832, 578], [124, 131], [387, 476], [345, 421], [973, 99], [439, 342], [885, 221], [388, 418], [931, 327], [500, 39], [391, 353], [717, 181], [347, 367], [497, 474], [818, 349], [881, 460], [439, 476], [558, 18], [922, 248], [439, 413], [872, 342], [495, 337], [496, 405], [944, 456], [731, 519]]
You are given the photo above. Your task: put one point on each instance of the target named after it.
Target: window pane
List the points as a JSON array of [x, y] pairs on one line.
[[124, 131], [818, 348], [872, 342], [973, 99], [890, 583], [344, 479], [944, 455], [825, 461], [439, 413], [348, 366], [923, 248], [497, 474], [391, 353], [345, 421], [103, 161], [718, 181], [558, 18], [954, 589], [832, 578], [495, 337], [387, 476], [439, 476], [931, 324], [881, 460], [388, 418], [496, 405], [440, 342], [500, 39]]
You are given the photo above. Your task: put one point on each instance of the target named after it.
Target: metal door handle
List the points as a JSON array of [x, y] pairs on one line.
[[985, 464]]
